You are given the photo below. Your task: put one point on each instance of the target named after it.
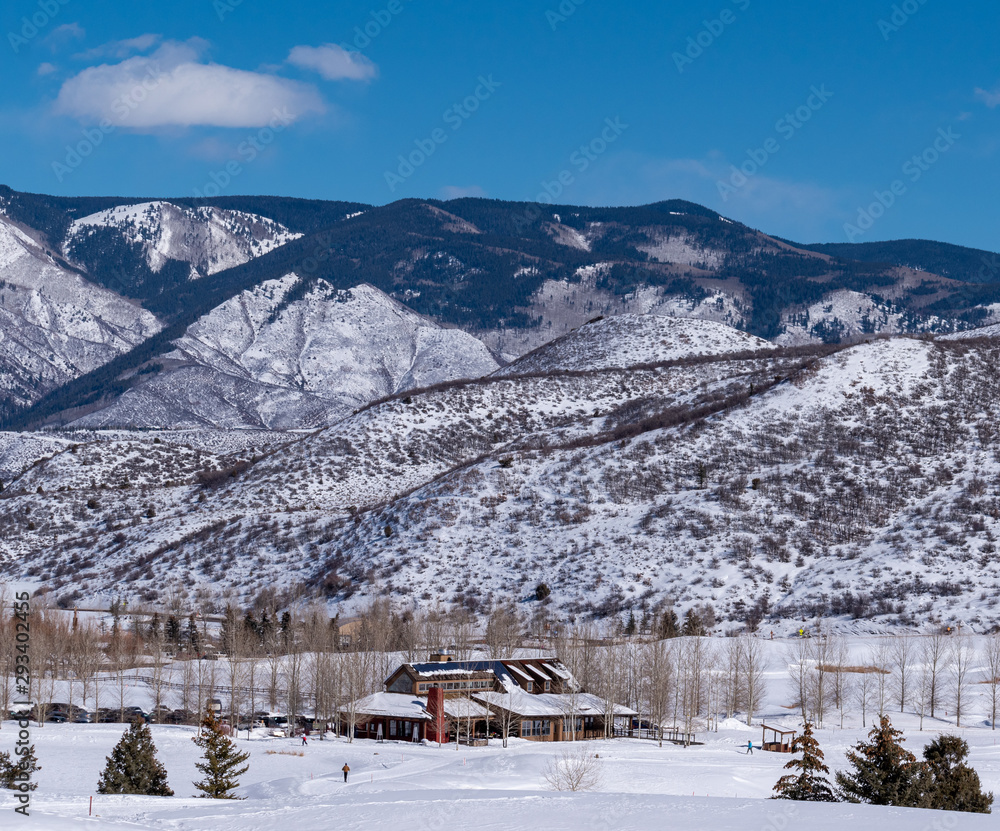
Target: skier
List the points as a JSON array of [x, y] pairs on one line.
[[346, 768], [750, 748]]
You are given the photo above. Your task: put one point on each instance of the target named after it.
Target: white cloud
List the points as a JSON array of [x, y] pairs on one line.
[[333, 62], [63, 34], [46, 68], [172, 88], [120, 49], [991, 98], [456, 192]]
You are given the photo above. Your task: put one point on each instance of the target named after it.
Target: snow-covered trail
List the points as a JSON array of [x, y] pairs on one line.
[[715, 786]]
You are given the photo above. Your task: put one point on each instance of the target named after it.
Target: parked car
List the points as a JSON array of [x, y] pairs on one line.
[[83, 717], [160, 714]]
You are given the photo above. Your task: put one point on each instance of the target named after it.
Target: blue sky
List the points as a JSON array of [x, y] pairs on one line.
[[823, 104]]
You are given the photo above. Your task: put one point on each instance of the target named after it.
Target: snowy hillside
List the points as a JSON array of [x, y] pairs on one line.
[[210, 239], [843, 315], [629, 340], [270, 358], [55, 325]]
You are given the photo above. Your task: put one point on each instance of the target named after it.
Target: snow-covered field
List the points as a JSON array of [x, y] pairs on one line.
[[715, 786]]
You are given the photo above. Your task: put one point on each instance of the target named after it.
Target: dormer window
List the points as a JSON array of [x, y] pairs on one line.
[[530, 687], [548, 686]]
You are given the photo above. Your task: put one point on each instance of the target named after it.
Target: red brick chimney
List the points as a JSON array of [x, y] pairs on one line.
[[437, 730]]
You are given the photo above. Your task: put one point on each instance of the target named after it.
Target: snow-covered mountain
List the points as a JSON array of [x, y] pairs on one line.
[[209, 239], [278, 358], [628, 340], [851, 482], [54, 324]]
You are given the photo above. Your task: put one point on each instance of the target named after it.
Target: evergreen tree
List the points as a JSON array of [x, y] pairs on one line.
[[669, 626], [223, 764], [947, 783], [12, 771], [193, 637], [133, 768], [809, 785], [173, 631], [630, 626], [885, 773], [154, 626], [692, 624]]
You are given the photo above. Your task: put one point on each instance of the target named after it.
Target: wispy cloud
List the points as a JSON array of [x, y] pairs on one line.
[[120, 49], [457, 192], [46, 68], [333, 62], [63, 34], [177, 89], [991, 98]]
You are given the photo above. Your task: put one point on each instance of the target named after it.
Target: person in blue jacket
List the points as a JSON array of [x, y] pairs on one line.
[[750, 748]]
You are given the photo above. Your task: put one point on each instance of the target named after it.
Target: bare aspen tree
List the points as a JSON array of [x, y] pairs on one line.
[[7, 651], [799, 658], [158, 667], [962, 654], [658, 659], [934, 656], [358, 672], [756, 664], [462, 627], [864, 692], [734, 675], [504, 631], [840, 655], [922, 688], [881, 659], [903, 656], [992, 657], [818, 686]]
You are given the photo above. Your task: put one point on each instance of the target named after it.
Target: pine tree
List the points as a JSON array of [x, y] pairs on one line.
[[630, 626], [12, 771], [133, 768], [669, 627], [223, 764], [192, 635], [947, 783], [809, 785], [173, 631], [693, 627], [885, 773]]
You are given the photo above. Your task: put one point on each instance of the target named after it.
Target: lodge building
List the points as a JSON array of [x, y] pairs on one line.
[[445, 700]]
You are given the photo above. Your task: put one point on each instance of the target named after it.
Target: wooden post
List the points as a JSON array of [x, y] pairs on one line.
[[90, 813]]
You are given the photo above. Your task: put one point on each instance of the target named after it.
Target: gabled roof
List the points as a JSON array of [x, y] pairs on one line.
[[392, 705]]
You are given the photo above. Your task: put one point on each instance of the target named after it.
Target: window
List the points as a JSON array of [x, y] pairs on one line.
[[392, 727], [422, 688], [567, 725], [530, 687], [548, 686], [536, 728]]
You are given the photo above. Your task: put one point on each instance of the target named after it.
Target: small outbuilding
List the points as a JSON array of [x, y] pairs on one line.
[[776, 740]]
